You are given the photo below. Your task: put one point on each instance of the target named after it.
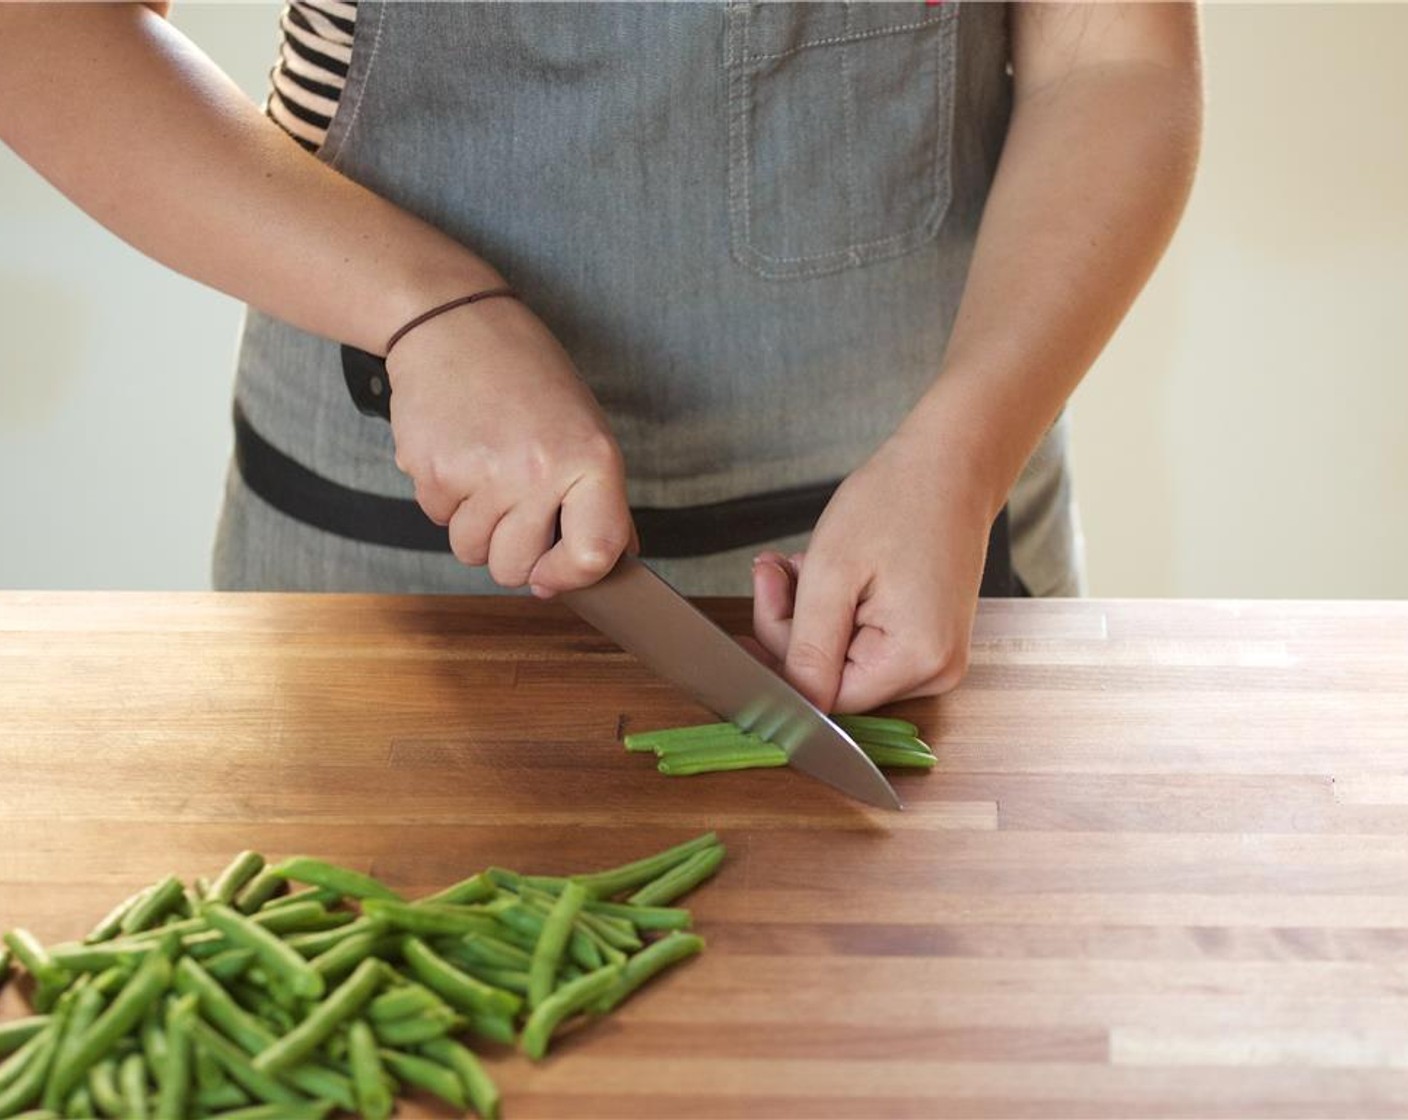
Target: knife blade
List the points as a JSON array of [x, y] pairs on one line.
[[647, 617]]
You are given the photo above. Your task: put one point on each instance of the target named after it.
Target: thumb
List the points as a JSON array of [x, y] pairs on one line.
[[822, 622]]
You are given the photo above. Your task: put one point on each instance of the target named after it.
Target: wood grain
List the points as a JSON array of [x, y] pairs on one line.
[[1161, 869]]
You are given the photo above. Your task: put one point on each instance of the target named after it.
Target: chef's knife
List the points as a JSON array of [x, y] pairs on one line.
[[645, 616]]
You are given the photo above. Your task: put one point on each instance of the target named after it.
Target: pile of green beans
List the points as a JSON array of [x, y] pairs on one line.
[[234, 999], [710, 747]]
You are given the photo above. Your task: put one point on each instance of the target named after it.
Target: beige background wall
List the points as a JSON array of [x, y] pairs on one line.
[[1246, 434]]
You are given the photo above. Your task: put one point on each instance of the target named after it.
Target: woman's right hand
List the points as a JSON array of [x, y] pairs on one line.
[[505, 443]]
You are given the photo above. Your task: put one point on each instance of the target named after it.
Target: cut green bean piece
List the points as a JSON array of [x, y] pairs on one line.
[[76, 957], [259, 891], [303, 1110], [907, 742], [35, 958], [175, 1078], [374, 1101], [402, 1002], [744, 755], [459, 990], [423, 918], [153, 906], [476, 888], [478, 1085], [509, 979], [650, 961], [302, 917], [900, 757], [315, 944], [281, 961], [528, 923], [151, 979], [111, 924], [209, 1072], [229, 965], [323, 1084], [132, 1082], [344, 1002], [653, 740], [644, 917], [259, 1085], [325, 896], [552, 941], [102, 1087], [217, 1005], [13, 1068], [234, 878], [604, 884], [17, 1032], [681, 879], [414, 1031], [495, 1028], [574, 996], [737, 742], [615, 932], [862, 725], [220, 1098], [78, 1107], [426, 1074], [319, 873], [480, 950], [77, 1012], [346, 955], [153, 1039]]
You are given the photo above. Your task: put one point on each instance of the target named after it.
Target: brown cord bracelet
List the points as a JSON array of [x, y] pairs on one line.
[[426, 316]]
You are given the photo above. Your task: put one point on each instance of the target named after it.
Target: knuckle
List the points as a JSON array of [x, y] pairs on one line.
[[809, 657], [942, 660]]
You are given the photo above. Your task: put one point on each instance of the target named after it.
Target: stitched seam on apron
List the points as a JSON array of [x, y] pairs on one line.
[[334, 157], [849, 37]]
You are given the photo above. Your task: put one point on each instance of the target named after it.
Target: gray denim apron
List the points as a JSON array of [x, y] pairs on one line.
[[749, 224]]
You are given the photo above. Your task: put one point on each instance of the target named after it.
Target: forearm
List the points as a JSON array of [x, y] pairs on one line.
[[132, 122], [1093, 178]]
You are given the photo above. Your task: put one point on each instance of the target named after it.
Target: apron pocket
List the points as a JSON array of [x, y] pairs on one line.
[[840, 121]]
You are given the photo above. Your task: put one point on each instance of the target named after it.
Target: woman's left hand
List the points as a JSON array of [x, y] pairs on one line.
[[881, 605]]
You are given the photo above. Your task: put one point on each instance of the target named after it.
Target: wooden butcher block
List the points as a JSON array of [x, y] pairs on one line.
[[1160, 870]]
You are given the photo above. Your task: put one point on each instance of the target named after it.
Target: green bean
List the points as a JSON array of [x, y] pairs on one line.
[[884, 739], [651, 960], [314, 944], [78, 1011], [427, 919], [111, 924], [278, 958], [529, 922], [102, 1087], [574, 996], [74, 956], [17, 1032], [414, 1031], [153, 1039], [303, 1110], [552, 941], [175, 1077], [229, 965], [152, 906], [344, 1002], [259, 1085], [209, 1072], [329, 898], [146, 986], [474, 889], [34, 957], [343, 957], [301, 917], [13, 1066], [652, 740], [604, 884], [132, 1081], [874, 724], [425, 1074], [374, 1102], [259, 890], [27, 1081], [680, 879], [402, 1002], [319, 873], [509, 979], [643, 917], [324, 1084], [899, 757], [459, 990], [220, 1098], [496, 1028], [489, 950], [233, 879], [79, 1105], [735, 742], [217, 1005], [478, 1086], [613, 932], [744, 755]]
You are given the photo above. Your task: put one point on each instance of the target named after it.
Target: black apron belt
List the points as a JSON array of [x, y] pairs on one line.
[[308, 497]]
